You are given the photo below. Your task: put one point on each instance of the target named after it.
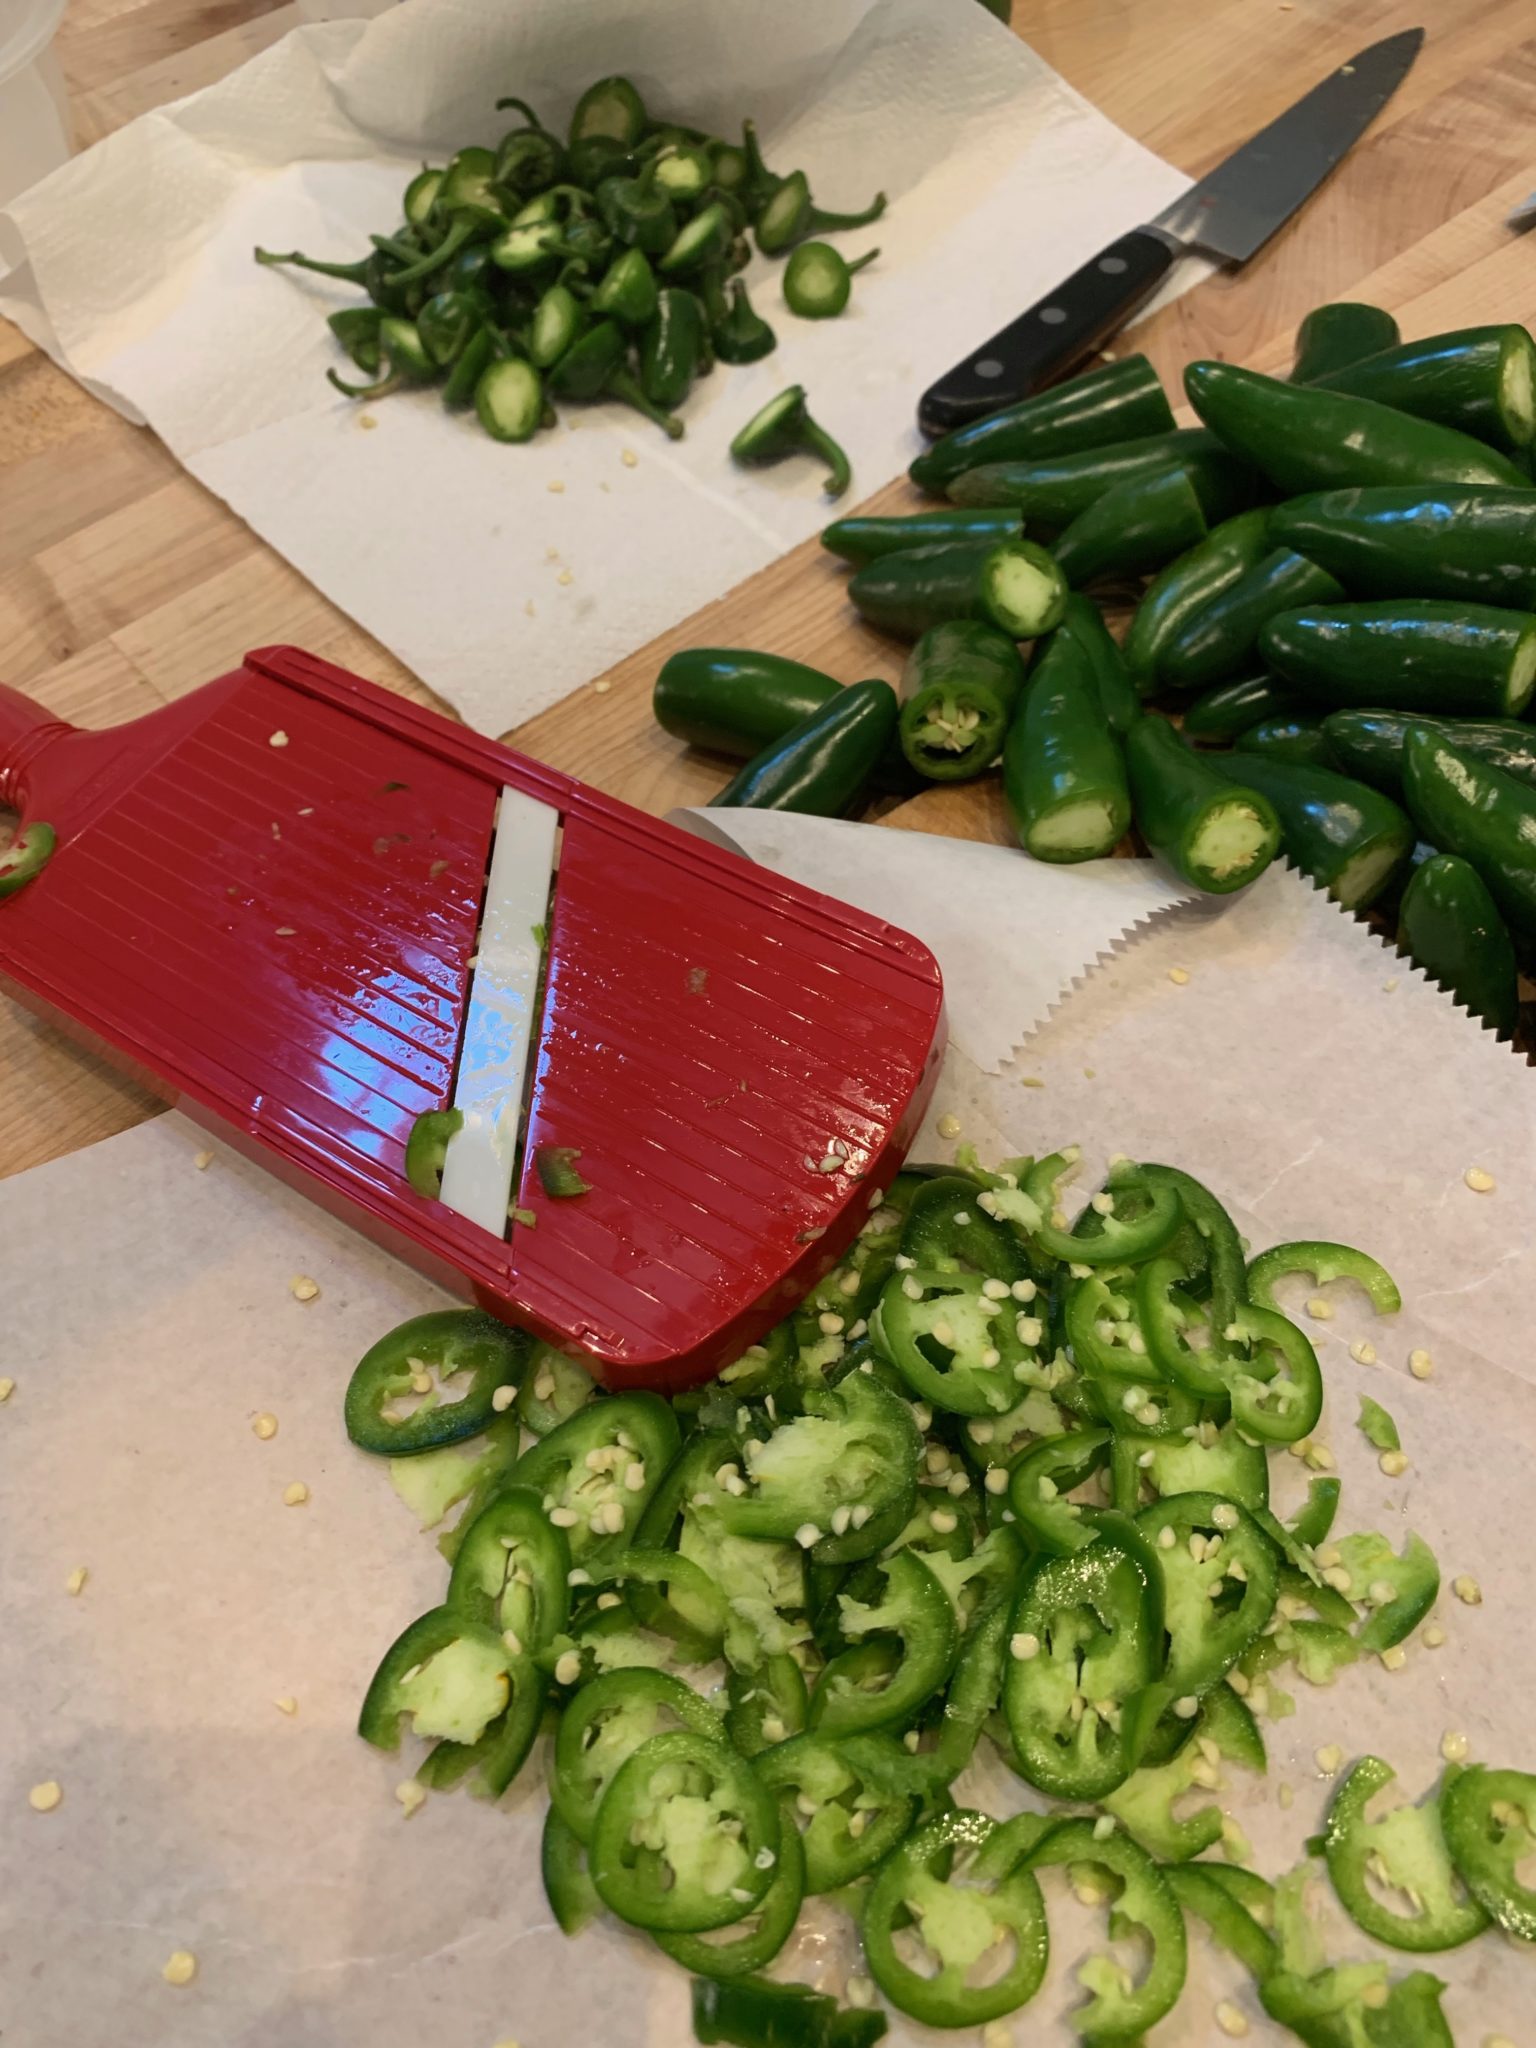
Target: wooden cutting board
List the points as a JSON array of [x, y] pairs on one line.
[[123, 583]]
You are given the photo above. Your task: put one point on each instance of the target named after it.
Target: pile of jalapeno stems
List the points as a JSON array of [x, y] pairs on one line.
[[1003, 1477]]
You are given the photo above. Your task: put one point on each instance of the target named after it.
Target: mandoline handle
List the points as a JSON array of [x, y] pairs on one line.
[[25, 729]]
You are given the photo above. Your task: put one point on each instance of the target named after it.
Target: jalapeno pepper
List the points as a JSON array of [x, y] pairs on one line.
[[611, 108], [1133, 529], [757, 2014], [962, 1900], [1407, 655], [554, 1387], [1230, 709], [1410, 540], [1216, 1544], [511, 1570], [1012, 585], [563, 1866], [1144, 1804], [1304, 439], [783, 427], [1449, 925], [605, 1723], [833, 1800], [1405, 1851], [768, 1705], [586, 1469], [685, 1838], [1481, 380], [1354, 2007], [735, 701], [1217, 1459], [959, 688], [954, 1338], [426, 1148], [1322, 1263], [1489, 1819], [1398, 1590], [739, 332], [947, 1229], [1351, 839], [509, 400], [1222, 638], [1370, 744], [1336, 335], [1063, 769], [788, 215], [855, 1446], [1135, 1221], [1056, 489], [1082, 622], [1115, 403], [755, 1940], [1086, 1649], [1298, 737], [1200, 1889], [1177, 595], [1118, 2012], [822, 766], [1214, 835], [422, 1358], [1465, 807], [914, 1614], [862, 538]]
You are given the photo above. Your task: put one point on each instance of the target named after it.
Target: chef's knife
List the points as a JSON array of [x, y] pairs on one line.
[[1230, 214]]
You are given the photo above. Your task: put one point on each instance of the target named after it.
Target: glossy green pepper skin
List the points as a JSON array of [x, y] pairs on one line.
[[1133, 529], [1304, 439], [1013, 585], [1334, 336], [1082, 622], [1406, 655], [672, 347], [1294, 736], [864, 538], [628, 290], [1449, 925], [1063, 769], [1221, 640], [612, 109], [1117, 402], [733, 700], [1348, 837], [1231, 708], [1480, 380], [1370, 743], [822, 766], [1217, 837], [1174, 597], [739, 332], [1055, 489], [1467, 541], [959, 689], [1463, 806]]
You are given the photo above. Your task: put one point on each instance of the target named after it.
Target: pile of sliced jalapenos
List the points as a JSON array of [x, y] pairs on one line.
[[1003, 1477], [600, 263]]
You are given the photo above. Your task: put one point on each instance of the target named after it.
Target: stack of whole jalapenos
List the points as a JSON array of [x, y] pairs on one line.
[[600, 264], [1342, 591]]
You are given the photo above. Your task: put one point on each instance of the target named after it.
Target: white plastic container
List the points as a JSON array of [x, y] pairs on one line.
[[35, 133]]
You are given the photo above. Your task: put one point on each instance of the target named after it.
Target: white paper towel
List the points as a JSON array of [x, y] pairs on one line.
[[148, 1318], [135, 270]]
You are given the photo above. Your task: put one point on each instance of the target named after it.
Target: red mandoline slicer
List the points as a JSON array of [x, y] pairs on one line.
[[305, 908]]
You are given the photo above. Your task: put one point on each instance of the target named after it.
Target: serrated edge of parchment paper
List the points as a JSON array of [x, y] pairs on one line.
[[1207, 908]]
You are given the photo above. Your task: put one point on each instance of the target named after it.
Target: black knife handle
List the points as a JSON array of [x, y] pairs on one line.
[[1056, 332]]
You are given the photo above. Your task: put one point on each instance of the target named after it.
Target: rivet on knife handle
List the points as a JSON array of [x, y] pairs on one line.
[[1056, 332]]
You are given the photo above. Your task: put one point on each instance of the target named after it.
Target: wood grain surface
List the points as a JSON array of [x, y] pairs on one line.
[[123, 583]]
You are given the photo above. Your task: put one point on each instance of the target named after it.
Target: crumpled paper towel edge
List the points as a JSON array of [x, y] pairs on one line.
[[1206, 907], [690, 818]]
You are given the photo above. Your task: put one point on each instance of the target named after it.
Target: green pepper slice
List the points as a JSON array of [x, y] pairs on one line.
[[511, 1570], [426, 1149], [1201, 1889], [856, 1446], [1086, 1647], [768, 1704], [1040, 1482], [841, 1798], [946, 1229], [423, 1357], [1405, 1854], [1104, 1334], [1322, 1263], [955, 1338], [1398, 1590], [1489, 1818], [1122, 2011], [597, 1471], [1220, 1577], [959, 688], [686, 1837], [916, 1615], [755, 1940], [450, 1675], [1217, 1459], [1224, 1729], [982, 1901], [605, 1723], [553, 1388], [754, 2013], [569, 1889], [1354, 2007]]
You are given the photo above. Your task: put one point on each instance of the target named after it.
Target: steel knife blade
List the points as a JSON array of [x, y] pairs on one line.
[[1229, 214]]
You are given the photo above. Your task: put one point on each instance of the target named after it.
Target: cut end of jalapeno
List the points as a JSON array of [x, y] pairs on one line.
[[510, 400], [24, 860], [1079, 830], [1234, 841], [1024, 591]]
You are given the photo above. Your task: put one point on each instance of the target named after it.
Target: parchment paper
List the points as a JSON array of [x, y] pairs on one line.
[[134, 269], [148, 1317]]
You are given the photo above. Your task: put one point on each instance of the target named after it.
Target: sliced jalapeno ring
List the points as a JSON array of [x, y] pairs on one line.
[[421, 1359], [605, 1723]]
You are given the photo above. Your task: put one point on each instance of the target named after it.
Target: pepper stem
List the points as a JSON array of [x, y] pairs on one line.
[[819, 218], [523, 108], [622, 385], [821, 443], [444, 253], [868, 257], [351, 273]]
